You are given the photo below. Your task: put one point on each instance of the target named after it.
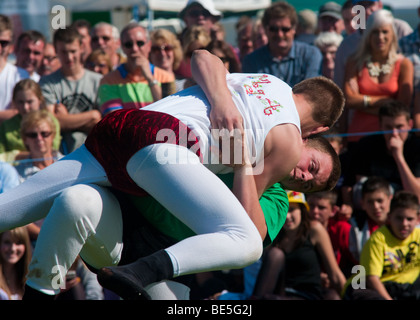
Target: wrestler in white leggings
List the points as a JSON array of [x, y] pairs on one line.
[[86, 219]]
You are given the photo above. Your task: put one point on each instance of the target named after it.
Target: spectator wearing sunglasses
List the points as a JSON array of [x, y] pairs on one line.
[[291, 61], [196, 13], [136, 83], [105, 36], [9, 73], [38, 131], [200, 13], [99, 61], [166, 53]]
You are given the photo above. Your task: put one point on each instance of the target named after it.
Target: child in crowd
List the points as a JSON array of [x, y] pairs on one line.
[[391, 256], [291, 268], [376, 201], [15, 254]]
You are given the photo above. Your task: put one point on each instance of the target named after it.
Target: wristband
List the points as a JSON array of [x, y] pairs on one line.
[[366, 101]]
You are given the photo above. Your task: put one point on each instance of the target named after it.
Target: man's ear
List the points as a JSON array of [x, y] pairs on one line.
[[335, 209], [319, 130]]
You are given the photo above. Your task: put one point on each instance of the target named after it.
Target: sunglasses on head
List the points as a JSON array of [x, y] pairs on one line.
[[130, 44], [277, 29], [4, 43], [105, 38], [166, 48], [34, 135], [197, 13]]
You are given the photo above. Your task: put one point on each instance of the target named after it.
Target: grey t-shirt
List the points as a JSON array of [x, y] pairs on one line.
[[77, 95]]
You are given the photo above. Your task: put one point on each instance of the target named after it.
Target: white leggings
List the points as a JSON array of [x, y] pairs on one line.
[[82, 219]]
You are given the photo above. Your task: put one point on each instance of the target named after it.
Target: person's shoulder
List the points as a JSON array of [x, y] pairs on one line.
[[351, 41], [93, 75], [317, 230], [163, 76], [15, 71], [112, 77], [400, 23], [257, 53], [54, 77], [304, 46], [380, 234]]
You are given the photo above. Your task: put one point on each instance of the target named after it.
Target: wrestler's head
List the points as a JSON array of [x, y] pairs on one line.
[[318, 169], [324, 100]]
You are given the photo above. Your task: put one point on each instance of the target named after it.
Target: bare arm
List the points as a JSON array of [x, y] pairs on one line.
[[354, 99], [7, 114], [405, 82], [374, 283], [409, 181], [210, 74], [155, 88], [245, 190], [282, 151], [322, 242], [83, 121]]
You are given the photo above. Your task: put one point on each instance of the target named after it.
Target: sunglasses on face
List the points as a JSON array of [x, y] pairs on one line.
[[167, 48], [4, 43], [34, 135], [130, 44], [277, 29], [197, 13], [105, 38]]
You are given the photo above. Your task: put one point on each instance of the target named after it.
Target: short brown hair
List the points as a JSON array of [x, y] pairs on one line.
[[406, 200], [280, 10], [6, 24], [29, 84], [325, 96], [32, 35], [67, 35], [394, 108]]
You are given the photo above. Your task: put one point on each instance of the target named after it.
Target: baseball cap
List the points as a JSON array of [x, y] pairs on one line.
[[357, 1], [206, 4], [297, 197], [330, 9]]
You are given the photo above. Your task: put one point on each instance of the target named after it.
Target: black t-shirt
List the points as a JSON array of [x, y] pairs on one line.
[[370, 157]]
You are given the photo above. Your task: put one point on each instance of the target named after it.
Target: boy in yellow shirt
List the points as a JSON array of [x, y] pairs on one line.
[[391, 257]]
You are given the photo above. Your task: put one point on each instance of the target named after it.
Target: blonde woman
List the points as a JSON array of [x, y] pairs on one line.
[[166, 53], [194, 38], [15, 255], [375, 73], [38, 132]]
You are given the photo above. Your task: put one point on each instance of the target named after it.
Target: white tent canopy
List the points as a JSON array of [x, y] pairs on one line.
[[158, 5]]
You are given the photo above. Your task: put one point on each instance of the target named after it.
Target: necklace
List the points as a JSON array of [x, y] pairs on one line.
[[375, 71]]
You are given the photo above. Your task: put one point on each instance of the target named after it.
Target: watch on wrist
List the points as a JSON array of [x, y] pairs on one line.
[[153, 82]]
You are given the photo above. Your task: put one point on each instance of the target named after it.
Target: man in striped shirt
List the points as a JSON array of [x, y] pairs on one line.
[[136, 83]]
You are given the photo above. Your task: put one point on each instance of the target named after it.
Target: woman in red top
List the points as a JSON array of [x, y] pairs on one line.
[[376, 72]]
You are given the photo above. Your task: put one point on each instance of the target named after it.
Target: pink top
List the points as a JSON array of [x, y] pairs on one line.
[[365, 122]]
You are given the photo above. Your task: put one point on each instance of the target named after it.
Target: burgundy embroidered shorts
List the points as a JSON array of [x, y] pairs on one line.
[[120, 134]]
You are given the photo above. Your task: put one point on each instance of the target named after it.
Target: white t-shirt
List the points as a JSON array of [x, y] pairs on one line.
[[9, 76]]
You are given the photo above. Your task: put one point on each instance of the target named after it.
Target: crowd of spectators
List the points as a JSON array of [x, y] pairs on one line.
[[57, 91]]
